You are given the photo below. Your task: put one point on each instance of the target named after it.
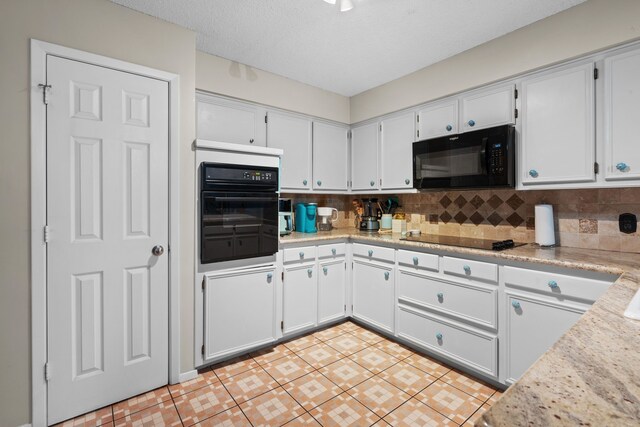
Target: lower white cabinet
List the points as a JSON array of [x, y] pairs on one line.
[[332, 281], [373, 293], [239, 311], [300, 298], [532, 326]]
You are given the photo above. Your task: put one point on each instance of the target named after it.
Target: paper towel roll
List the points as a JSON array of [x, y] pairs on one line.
[[545, 233]]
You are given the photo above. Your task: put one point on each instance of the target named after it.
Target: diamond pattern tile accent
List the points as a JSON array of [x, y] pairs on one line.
[[398, 351], [433, 218], [327, 334], [477, 201], [449, 401], [204, 403], [460, 201], [515, 220], [343, 411], [320, 355], [289, 368], [407, 378], [379, 396], [495, 201], [347, 344], [515, 202], [274, 408], [302, 343], [202, 380], [367, 336], [445, 202], [414, 413], [302, 421], [234, 366], [446, 217], [460, 217], [494, 219], [476, 218], [162, 414], [312, 390], [249, 384], [346, 373], [143, 401], [373, 359]]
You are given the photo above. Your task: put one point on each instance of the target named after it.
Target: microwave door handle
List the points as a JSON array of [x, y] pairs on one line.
[[484, 156]]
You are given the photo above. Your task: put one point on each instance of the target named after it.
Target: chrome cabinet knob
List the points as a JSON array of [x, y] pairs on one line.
[[471, 123], [533, 173], [622, 166], [449, 128], [157, 250]]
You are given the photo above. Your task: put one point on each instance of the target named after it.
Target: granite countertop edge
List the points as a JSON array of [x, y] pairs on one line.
[[591, 376]]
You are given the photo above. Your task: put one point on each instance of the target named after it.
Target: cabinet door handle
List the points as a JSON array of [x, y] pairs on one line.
[[533, 173], [439, 336], [415, 260], [622, 166], [325, 270], [515, 304], [333, 251], [386, 275], [370, 252], [466, 269], [449, 128], [553, 284], [301, 254], [471, 123]]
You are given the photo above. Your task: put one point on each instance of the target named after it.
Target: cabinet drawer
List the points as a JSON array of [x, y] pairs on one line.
[[559, 285], [307, 253], [373, 252], [472, 348], [420, 261], [334, 250], [469, 302], [471, 269]]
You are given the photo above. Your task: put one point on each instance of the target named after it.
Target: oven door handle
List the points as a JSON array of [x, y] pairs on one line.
[[243, 199]]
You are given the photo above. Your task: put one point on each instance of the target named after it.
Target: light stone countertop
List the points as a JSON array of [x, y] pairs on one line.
[[591, 376]]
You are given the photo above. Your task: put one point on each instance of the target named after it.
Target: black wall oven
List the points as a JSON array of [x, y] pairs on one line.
[[480, 159], [239, 212]]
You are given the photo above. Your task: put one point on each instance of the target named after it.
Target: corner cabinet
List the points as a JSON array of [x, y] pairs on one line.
[[239, 311], [557, 142], [397, 135], [292, 134], [223, 120], [364, 157], [621, 115], [330, 156]]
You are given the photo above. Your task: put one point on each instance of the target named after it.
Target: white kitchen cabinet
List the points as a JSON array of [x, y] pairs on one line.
[[532, 326], [330, 156], [487, 108], [299, 298], [438, 119], [557, 142], [332, 282], [397, 135], [621, 116], [364, 157], [293, 135], [373, 293], [224, 120], [239, 311]]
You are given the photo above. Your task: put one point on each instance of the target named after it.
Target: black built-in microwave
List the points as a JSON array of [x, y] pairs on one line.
[[480, 159]]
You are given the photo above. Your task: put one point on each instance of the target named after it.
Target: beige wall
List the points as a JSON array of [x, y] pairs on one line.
[[591, 26], [96, 26], [219, 75]]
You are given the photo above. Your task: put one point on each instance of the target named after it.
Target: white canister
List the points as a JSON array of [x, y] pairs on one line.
[[398, 226], [545, 230]]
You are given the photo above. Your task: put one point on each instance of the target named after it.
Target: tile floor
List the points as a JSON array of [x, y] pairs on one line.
[[344, 375]]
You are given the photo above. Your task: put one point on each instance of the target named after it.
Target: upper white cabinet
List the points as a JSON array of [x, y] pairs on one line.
[[397, 135], [438, 119], [364, 157], [330, 154], [621, 116], [293, 135], [229, 121], [557, 142], [487, 108]]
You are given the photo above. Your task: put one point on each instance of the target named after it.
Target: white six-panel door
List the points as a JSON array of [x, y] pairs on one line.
[[107, 207]]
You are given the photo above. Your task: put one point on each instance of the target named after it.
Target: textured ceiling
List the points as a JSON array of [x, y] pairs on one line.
[[378, 41]]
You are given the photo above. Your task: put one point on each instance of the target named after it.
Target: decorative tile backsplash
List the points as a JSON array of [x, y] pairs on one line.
[[583, 218]]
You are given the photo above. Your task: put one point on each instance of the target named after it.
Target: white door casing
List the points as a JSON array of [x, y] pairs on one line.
[[107, 207]]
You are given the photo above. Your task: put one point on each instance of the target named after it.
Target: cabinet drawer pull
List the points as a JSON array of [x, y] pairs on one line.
[[449, 128], [333, 251], [472, 123], [301, 255], [515, 304], [622, 166], [325, 270], [440, 295], [386, 275], [466, 269], [533, 173], [370, 252], [415, 260], [553, 284], [439, 336]]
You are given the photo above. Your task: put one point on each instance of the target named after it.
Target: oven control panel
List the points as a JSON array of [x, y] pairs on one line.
[[216, 175], [257, 176]]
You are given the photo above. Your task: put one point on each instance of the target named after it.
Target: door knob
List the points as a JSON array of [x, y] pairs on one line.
[[157, 250]]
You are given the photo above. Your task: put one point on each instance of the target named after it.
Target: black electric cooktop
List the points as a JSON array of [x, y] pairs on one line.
[[464, 242]]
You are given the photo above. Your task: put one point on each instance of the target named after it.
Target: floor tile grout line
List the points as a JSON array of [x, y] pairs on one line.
[[363, 404], [235, 401]]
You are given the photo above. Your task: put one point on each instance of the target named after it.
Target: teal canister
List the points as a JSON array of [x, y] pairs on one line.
[[310, 223], [301, 217]]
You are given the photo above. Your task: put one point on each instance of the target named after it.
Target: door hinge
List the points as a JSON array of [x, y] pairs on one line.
[[418, 133], [282, 276], [348, 134], [46, 234], [595, 74], [47, 371], [202, 350], [596, 168], [380, 182], [352, 308], [516, 113], [345, 308], [203, 282], [515, 94], [418, 118], [282, 325], [266, 119], [380, 127], [45, 93]]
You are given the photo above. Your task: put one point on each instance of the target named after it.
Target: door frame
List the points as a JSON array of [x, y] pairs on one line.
[[38, 115]]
